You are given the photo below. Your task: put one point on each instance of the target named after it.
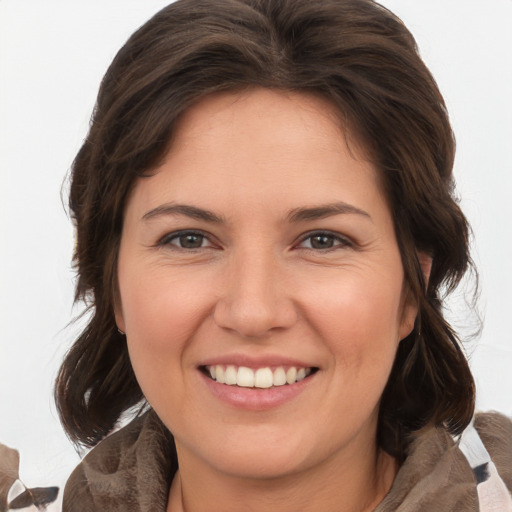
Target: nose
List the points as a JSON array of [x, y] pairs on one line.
[[255, 299]]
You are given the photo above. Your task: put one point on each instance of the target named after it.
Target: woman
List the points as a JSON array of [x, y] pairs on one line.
[[265, 224]]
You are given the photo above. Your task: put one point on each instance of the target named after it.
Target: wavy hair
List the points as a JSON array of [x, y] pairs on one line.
[[364, 61]]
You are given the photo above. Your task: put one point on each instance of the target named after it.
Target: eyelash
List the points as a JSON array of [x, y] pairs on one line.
[[167, 239], [343, 242]]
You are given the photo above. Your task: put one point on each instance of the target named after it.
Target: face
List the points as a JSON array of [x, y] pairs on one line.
[[262, 253]]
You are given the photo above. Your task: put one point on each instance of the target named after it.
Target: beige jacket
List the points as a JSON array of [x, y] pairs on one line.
[[131, 471]]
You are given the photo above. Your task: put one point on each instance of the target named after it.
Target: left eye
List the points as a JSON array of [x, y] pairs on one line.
[[324, 241], [186, 240]]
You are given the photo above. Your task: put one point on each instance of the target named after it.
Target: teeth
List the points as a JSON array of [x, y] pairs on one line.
[[219, 372], [291, 375], [245, 377], [263, 378], [279, 377], [230, 376]]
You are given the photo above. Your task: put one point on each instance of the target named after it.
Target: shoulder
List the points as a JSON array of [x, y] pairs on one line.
[[495, 431], [129, 470]]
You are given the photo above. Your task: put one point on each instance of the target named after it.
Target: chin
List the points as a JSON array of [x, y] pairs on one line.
[[252, 452], [262, 464]]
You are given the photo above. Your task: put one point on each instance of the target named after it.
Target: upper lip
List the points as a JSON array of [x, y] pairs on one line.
[[255, 362]]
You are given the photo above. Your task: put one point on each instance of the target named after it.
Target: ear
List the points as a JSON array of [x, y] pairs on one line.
[[410, 307], [118, 312], [409, 313], [425, 264]]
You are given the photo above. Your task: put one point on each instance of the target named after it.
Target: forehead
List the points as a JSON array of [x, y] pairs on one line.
[[288, 114], [261, 145]]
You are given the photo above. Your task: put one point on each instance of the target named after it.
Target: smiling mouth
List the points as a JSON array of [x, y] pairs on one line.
[[261, 378]]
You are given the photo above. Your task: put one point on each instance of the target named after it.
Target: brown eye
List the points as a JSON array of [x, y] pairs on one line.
[[324, 241], [191, 241], [185, 240]]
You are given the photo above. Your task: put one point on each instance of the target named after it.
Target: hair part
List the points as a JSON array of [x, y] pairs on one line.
[[358, 56]]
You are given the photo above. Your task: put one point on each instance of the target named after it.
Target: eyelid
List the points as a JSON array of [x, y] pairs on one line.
[[165, 240], [345, 240]]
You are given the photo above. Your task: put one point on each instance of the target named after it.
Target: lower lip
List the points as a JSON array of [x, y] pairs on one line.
[[255, 399]]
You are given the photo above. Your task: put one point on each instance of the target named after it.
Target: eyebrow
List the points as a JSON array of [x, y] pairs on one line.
[[323, 211], [183, 209], [293, 216]]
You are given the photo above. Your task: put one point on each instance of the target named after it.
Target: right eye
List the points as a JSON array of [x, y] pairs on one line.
[[188, 240]]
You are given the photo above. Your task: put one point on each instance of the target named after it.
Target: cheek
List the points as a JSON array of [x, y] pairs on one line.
[[160, 313], [359, 317], [158, 304]]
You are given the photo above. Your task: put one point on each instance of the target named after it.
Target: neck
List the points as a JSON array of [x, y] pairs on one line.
[[359, 485]]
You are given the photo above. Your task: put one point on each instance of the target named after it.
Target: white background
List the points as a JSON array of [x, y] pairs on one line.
[[52, 57]]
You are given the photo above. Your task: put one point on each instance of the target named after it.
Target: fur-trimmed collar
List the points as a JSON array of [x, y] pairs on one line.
[[131, 470]]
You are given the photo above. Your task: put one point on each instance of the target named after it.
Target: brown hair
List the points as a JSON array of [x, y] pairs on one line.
[[360, 57]]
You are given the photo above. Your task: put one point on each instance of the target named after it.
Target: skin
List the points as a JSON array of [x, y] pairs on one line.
[[258, 285]]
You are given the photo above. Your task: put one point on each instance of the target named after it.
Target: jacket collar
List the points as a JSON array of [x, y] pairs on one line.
[[133, 468]]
